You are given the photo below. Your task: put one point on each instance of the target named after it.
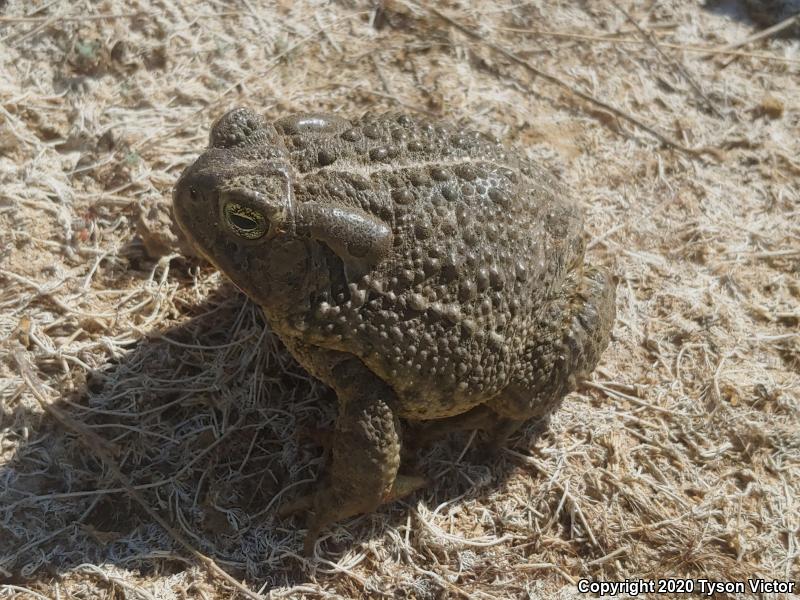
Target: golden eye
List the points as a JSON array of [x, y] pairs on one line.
[[245, 222]]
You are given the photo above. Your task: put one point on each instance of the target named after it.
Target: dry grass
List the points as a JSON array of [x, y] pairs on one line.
[[122, 377]]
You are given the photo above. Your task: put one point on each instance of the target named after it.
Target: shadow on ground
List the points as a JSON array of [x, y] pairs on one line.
[[204, 420]]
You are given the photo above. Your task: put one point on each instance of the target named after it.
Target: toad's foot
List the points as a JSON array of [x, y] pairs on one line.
[[403, 486]]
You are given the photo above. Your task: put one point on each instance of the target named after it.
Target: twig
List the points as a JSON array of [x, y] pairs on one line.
[[24, 590], [29, 18], [97, 17], [11, 558], [443, 582], [392, 98], [608, 39], [607, 557], [41, 8], [667, 141], [334, 44], [764, 33], [386, 87], [546, 566], [103, 450], [567, 497], [620, 395], [117, 581], [681, 69]]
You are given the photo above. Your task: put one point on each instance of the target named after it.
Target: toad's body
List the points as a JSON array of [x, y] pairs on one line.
[[421, 270]]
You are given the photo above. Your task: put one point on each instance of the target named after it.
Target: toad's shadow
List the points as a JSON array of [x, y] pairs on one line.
[[204, 420]]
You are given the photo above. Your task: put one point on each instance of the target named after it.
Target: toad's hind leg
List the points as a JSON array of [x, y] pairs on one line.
[[365, 450], [572, 332]]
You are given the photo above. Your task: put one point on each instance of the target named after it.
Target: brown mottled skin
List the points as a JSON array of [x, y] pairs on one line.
[[421, 270]]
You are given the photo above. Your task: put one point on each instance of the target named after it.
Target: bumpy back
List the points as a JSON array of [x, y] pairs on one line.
[[481, 238]]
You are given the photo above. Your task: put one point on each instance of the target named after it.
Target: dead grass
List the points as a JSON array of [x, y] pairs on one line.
[[680, 458]]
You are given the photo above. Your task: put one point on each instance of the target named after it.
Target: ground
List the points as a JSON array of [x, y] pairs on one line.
[[150, 425]]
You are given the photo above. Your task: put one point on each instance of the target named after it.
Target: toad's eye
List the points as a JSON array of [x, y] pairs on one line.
[[193, 193], [244, 221]]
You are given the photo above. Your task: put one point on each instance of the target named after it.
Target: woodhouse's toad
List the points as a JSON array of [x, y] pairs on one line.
[[422, 270]]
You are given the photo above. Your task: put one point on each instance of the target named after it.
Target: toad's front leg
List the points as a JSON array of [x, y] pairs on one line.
[[365, 452]]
